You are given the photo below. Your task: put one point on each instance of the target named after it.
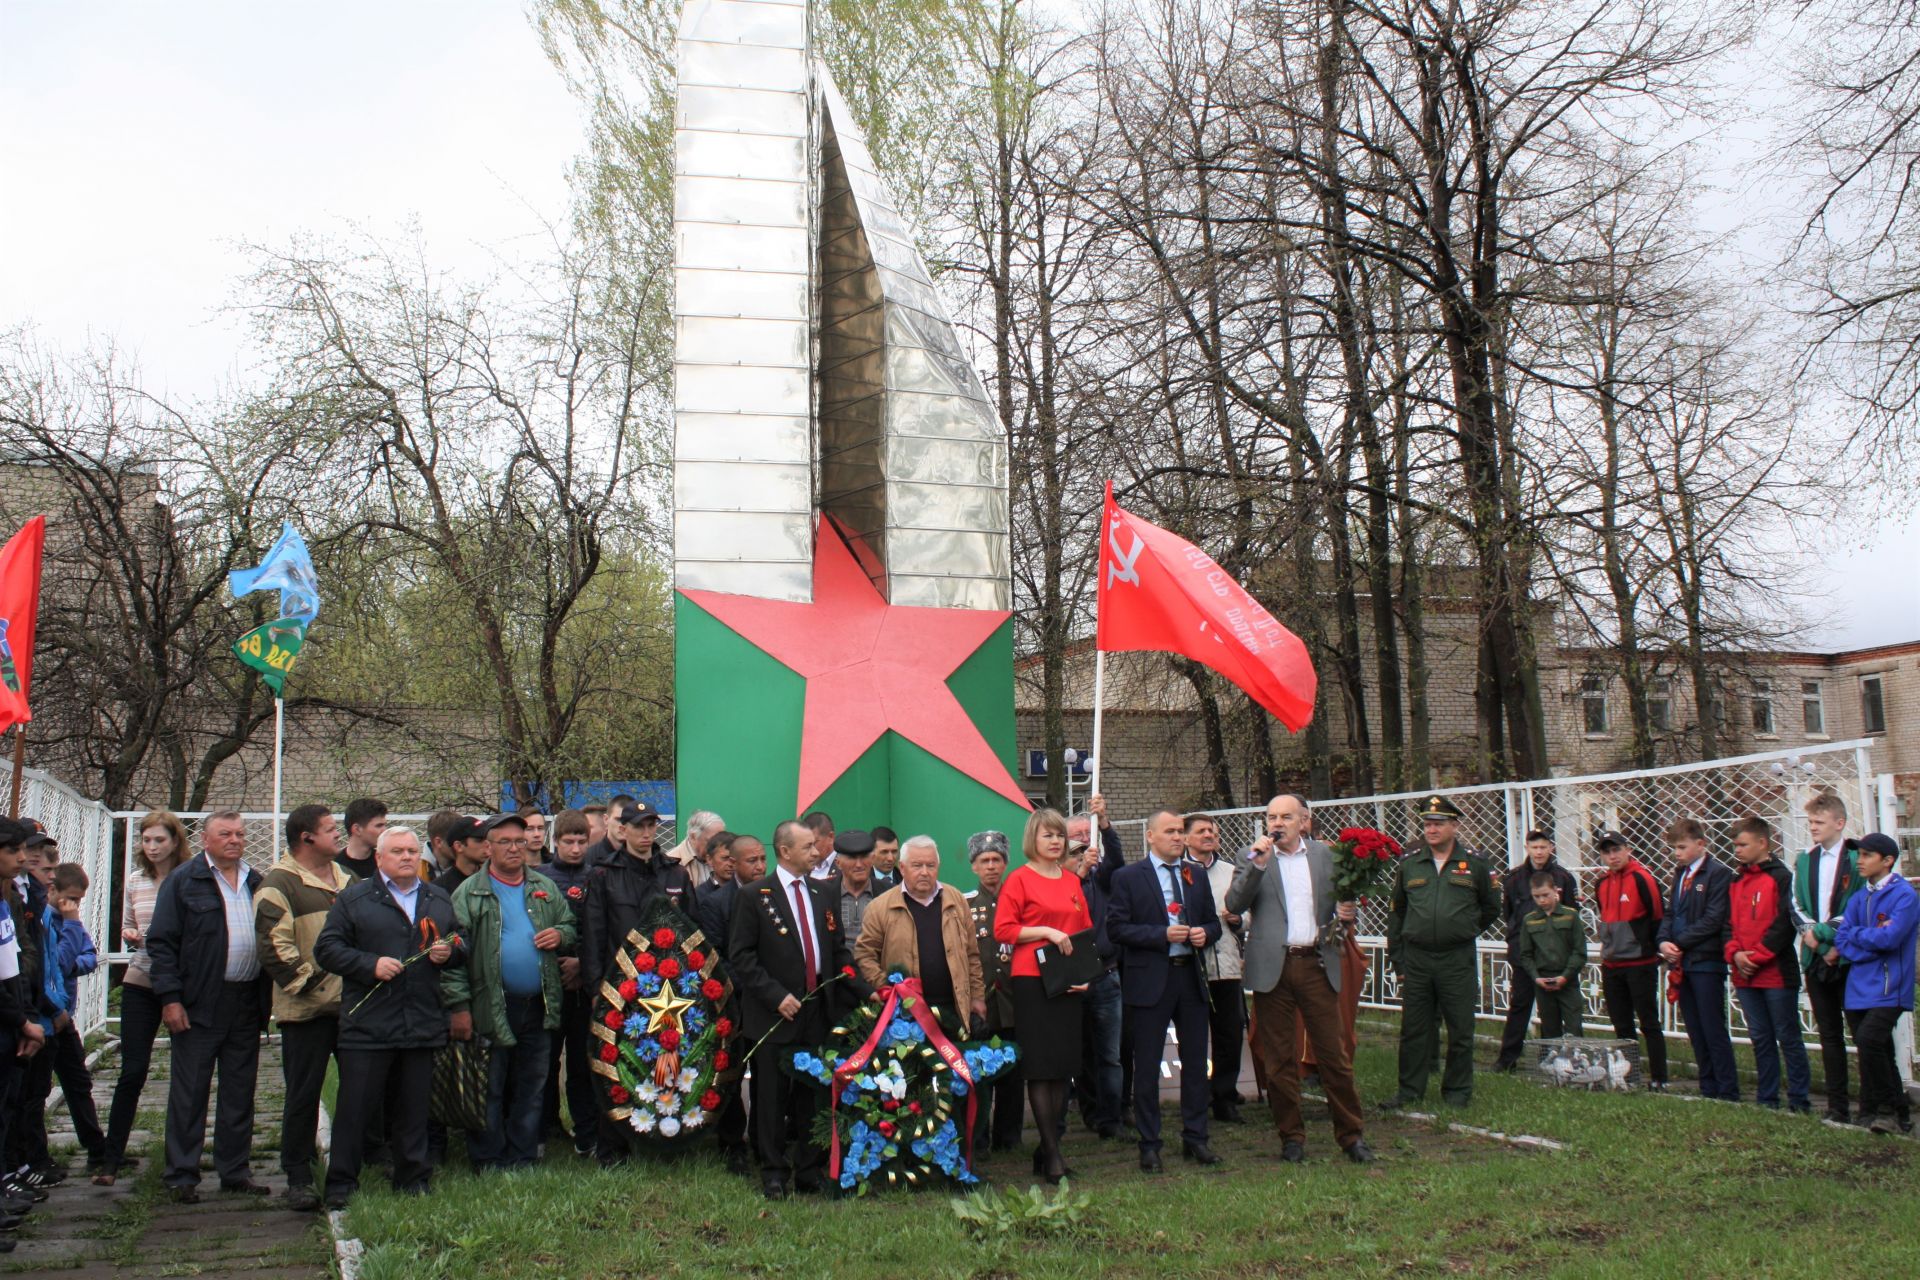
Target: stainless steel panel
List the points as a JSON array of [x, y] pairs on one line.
[[700, 153], [948, 417], [741, 111], [740, 66], [936, 462], [945, 593], [740, 201], [710, 388], [728, 246], [943, 505], [765, 295], [744, 22], [729, 340], [743, 437], [732, 486], [768, 580], [733, 535]]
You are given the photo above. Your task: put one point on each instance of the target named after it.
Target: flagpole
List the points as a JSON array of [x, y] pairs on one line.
[[1099, 688], [19, 768], [279, 739]]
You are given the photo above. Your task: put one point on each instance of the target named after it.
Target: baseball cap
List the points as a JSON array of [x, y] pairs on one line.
[[500, 820], [466, 829], [1881, 843], [638, 811], [1610, 840]]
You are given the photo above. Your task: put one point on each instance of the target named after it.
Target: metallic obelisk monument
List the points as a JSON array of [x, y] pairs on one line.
[[840, 478]]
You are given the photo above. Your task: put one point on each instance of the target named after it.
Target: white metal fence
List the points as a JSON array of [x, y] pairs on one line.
[[1773, 785]]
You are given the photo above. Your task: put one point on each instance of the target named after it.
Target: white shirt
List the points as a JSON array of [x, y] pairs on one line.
[[804, 922], [243, 947], [1296, 886], [1829, 868], [408, 900]]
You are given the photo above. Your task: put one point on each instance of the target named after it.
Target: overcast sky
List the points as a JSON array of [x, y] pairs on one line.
[[144, 143]]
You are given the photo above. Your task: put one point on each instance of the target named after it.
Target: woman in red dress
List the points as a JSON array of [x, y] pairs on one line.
[[1041, 905]]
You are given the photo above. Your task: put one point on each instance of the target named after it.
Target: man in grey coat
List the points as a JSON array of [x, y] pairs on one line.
[[1291, 962]]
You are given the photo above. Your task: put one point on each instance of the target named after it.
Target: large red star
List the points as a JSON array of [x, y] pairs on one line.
[[870, 667]]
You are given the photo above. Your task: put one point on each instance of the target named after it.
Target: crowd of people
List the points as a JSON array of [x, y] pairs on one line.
[[371, 946]]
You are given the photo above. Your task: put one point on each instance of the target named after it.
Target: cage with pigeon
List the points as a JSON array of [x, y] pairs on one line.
[[1598, 1066]]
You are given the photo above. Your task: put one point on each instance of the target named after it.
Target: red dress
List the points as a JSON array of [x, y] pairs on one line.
[[1029, 898]]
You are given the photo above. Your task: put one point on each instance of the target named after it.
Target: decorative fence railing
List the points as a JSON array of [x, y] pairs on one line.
[[1773, 785]]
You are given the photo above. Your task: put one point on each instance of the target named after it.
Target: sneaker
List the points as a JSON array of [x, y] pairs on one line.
[[51, 1175], [301, 1199]]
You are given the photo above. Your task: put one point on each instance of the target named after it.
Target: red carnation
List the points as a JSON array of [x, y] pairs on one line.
[[846, 971], [713, 988], [618, 1093], [664, 938], [1173, 911], [613, 1019], [575, 892], [723, 1028], [721, 1061], [890, 1104], [669, 968], [609, 1053], [696, 959], [886, 1128], [669, 1039], [629, 990], [643, 962], [710, 1100], [914, 1107]]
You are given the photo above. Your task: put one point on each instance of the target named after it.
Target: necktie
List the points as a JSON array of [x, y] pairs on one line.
[[1813, 879], [804, 921], [1173, 879]]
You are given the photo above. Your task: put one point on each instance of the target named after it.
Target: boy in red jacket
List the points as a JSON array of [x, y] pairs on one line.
[[1766, 969], [1629, 902]]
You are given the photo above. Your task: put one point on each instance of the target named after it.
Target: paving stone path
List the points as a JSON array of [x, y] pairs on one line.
[[133, 1229]]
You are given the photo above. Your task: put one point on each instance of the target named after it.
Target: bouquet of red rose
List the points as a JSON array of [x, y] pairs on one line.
[[1361, 856]]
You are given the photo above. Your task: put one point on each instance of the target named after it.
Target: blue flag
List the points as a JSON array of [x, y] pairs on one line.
[[288, 567]]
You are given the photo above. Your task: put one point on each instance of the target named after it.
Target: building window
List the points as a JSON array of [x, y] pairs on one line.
[[1763, 708], [1813, 706], [1660, 706], [1873, 705], [1593, 704]]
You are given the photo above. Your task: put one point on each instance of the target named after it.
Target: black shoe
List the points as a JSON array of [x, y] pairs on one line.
[[774, 1189], [1229, 1113], [1839, 1115], [301, 1199], [336, 1203], [1360, 1152], [1460, 1100], [246, 1187], [1150, 1162], [1199, 1153], [1293, 1153], [7, 1243], [184, 1195], [1507, 1066], [1108, 1132], [812, 1184], [1400, 1101]]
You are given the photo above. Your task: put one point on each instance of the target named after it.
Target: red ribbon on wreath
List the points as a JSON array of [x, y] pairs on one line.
[[948, 1051]]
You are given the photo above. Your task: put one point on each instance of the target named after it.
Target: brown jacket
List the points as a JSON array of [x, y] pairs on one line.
[[887, 940]]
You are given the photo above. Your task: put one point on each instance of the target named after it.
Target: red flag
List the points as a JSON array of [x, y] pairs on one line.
[[19, 610], [1161, 592]]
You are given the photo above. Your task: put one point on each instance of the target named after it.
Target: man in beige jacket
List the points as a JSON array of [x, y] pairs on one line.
[[924, 929], [292, 904]]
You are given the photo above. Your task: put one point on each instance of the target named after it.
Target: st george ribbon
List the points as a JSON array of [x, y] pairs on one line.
[[826, 416]]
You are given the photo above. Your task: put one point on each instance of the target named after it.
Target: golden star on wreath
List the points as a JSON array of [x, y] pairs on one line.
[[664, 1008]]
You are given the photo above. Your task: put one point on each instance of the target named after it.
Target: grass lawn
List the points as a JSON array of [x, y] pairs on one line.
[[1648, 1186]]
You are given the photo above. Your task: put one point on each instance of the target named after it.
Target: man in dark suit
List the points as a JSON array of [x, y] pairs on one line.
[[1161, 916], [1285, 887], [1693, 937], [785, 941]]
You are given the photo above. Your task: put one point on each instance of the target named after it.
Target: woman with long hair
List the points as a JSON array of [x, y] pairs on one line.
[[1041, 905], [161, 848]]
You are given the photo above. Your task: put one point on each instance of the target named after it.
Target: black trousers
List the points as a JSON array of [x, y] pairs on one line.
[[64, 1057], [1633, 994], [568, 1045], [1183, 1004], [1520, 994], [305, 1049], [1828, 996], [229, 1042], [139, 1026], [1227, 1032], [398, 1082], [13, 1075], [783, 1108], [76, 1082], [1881, 1091]]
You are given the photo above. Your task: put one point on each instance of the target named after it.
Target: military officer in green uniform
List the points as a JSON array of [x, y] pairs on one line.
[[1443, 899], [997, 1125]]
